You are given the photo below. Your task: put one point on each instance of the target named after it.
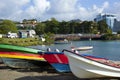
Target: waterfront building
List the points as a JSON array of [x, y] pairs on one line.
[[116, 26], [109, 18]]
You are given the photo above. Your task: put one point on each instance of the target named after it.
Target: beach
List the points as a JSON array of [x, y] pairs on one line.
[[7, 73]]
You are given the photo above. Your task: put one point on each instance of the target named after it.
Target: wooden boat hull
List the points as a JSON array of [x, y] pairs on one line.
[[21, 55], [57, 60], [22, 63], [85, 68], [6, 47]]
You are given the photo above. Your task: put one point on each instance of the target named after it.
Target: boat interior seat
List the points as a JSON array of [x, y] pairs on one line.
[[48, 49], [57, 50]]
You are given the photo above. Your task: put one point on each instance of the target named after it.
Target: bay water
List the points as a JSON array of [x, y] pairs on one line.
[[105, 49]]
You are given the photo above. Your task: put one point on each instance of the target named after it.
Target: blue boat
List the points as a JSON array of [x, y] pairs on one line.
[[57, 60]]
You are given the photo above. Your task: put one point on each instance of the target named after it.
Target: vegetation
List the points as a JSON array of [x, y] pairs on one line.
[[50, 27], [21, 41], [70, 27], [40, 28], [49, 38], [7, 26], [103, 27]]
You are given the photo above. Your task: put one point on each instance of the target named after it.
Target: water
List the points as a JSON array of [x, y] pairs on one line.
[[106, 49]]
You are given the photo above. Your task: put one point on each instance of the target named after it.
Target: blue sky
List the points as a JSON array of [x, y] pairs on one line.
[[59, 9]]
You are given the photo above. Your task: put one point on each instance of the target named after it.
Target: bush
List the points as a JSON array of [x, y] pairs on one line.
[[108, 37], [21, 41]]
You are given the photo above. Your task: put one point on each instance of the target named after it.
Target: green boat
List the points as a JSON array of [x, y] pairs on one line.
[[7, 47], [20, 57]]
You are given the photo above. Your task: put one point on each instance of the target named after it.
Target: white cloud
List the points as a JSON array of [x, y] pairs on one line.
[[16, 10], [62, 6], [45, 9], [86, 13], [68, 9], [116, 9]]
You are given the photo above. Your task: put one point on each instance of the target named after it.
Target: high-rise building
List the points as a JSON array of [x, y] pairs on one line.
[[109, 18], [116, 27]]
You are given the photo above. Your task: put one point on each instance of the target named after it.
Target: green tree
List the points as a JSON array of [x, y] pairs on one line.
[[64, 28], [118, 32], [52, 26], [7, 26], [93, 27], [103, 27], [49, 38], [85, 27], [40, 28]]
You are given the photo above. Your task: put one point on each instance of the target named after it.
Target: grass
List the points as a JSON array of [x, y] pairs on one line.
[[21, 41]]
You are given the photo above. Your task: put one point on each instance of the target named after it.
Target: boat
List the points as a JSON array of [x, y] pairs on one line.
[[61, 41], [92, 67], [21, 55], [8, 47], [83, 48], [58, 60], [21, 59], [18, 63], [11, 55]]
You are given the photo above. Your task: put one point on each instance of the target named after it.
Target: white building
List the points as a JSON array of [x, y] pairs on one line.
[[12, 35], [109, 18]]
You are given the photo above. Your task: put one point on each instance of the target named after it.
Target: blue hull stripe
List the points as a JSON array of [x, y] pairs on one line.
[[61, 67]]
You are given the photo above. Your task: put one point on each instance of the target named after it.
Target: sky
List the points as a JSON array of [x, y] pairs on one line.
[[66, 10]]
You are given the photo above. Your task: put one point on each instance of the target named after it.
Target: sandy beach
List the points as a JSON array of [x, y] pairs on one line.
[[7, 73]]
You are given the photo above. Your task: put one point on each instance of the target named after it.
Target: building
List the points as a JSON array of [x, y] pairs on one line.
[[109, 18], [12, 35], [116, 26], [26, 33]]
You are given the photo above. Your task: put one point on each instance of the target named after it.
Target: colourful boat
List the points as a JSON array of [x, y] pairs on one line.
[[7, 47], [20, 63], [12, 55], [21, 59], [57, 60], [21, 55]]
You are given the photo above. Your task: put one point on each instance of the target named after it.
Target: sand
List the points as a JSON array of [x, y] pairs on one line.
[[7, 73]]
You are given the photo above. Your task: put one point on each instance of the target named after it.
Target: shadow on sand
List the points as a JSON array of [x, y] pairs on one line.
[[67, 76]]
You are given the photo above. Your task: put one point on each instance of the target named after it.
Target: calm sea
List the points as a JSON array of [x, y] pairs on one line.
[[106, 49]]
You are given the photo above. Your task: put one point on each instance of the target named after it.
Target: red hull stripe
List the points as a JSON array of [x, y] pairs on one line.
[[56, 58]]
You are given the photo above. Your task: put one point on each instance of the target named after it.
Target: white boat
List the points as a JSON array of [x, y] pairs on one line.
[[83, 48], [62, 41], [91, 67]]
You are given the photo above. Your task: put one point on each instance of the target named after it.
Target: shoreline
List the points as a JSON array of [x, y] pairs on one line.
[[7, 73]]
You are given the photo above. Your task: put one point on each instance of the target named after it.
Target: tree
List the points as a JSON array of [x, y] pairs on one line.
[[7, 26], [64, 27], [40, 28], [52, 26], [93, 27], [49, 38], [103, 27]]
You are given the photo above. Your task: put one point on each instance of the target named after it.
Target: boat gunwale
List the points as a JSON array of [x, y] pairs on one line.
[[106, 64]]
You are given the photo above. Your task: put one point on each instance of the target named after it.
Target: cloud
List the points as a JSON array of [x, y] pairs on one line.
[[45, 9], [116, 9], [16, 10], [69, 9]]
